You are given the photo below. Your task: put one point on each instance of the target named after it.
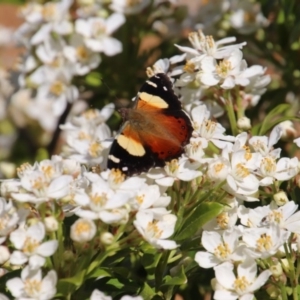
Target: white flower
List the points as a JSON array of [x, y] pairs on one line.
[[4, 255], [149, 196], [195, 149], [97, 31], [87, 136], [240, 179], [40, 189], [220, 247], [285, 216], [241, 286], [264, 242], [83, 58], [3, 297], [32, 286], [49, 50], [227, 219], [156, 231], [101, 202], [164, 66], [98, 295], [182, 169], [282, 170], [59, 89], [297, 141], [264, 145], [30, 246], [229, 72], [246, 17], [55, 16], [211, 131], [83, 230], [8, 218], [206, 45]]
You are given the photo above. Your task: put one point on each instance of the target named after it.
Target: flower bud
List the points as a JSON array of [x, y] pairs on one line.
[[107, 238], [68, 255], [276, 269], [51, 224], [4, 254], [244, 123], [280, 198], [288, 130]]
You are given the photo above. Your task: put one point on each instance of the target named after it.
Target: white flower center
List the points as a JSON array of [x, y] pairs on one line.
[[98, 201], [98, 29], [276, 216], [264, 243], [50, 11], [268, 165], [223, 68], [32, 287], [57, 88], [241, 284], [82, 53], [241, 171], [154, 230], [95, 149], [223, 220], [222, 251], [172, 166], [260, 146], [48, 171], [208, 128], [30, 245], [82, 227]]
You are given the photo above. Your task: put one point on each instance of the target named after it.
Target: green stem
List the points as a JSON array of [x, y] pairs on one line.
[[239, 104], [231, 114]]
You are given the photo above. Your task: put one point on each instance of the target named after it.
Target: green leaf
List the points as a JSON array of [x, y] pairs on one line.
[[275, 116], [99, 272], [93, 79], [201, 215], [64, 288], [77, 279], [176, 280], [147, 292], [116, 283]]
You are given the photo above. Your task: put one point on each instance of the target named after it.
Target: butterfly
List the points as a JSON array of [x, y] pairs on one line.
[[155, 130]]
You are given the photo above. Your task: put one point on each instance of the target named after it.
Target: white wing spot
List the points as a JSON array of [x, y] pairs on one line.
[[165, 88], [114, 159], [151, 83]]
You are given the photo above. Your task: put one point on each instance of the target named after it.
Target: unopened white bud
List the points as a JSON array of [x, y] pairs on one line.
[[244, 123], [107, 238], [288, 130], [280, 198], [51, 224], [276, 269], [4, 254]]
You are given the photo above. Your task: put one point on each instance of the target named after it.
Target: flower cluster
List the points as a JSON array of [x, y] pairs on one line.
[[68, 221], [60, 49], [212, 71]]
